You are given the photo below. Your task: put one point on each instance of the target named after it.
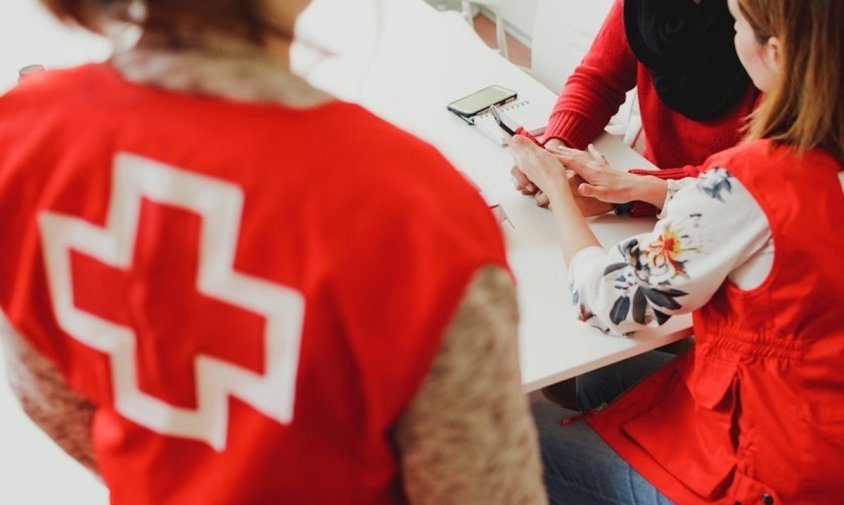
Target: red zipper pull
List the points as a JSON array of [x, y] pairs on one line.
[[591, 412]]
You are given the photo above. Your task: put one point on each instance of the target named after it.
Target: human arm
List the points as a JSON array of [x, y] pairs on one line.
[[590, 97], [710, 229], [589, 206], [607, 190], [597, 87], [467, 436], [45, 397], [522, 183], [547, 172], [595, 187], [602, 182]]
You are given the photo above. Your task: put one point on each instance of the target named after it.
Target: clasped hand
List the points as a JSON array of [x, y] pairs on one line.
[[559, 170]]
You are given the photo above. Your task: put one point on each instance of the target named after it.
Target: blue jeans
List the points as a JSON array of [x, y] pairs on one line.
[[580, 468]]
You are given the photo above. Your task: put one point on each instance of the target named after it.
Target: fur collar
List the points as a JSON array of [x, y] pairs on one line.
[[217, 67]]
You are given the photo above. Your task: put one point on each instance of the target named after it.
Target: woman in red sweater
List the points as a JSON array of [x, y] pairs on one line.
[[754, 413], [693, 93]]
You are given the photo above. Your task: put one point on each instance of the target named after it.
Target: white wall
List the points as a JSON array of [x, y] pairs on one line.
[[519, 16], [29, 35]]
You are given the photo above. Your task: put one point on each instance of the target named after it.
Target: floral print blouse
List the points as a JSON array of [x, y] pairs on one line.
[[711, 230]]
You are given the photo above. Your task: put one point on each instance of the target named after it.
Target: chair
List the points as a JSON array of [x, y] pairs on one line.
[[495, 6], [563, 31]]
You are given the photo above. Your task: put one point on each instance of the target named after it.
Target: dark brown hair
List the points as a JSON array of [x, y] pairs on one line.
[[805, 105], [243, 18]]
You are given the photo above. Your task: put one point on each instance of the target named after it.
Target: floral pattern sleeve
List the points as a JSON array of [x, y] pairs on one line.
[[708, 229]]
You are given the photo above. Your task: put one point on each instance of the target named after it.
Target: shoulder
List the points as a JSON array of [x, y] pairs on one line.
[[48, 97], [763, 163], [53, 85], [753, 150], [735, 171], [388, 176]]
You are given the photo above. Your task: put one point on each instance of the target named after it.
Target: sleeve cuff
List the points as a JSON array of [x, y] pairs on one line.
[[674, 185], [574, 129]]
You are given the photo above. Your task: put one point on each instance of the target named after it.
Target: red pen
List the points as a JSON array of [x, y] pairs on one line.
[[510, 126]]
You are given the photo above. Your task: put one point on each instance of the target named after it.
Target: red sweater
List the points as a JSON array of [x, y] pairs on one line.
[[597, 88]]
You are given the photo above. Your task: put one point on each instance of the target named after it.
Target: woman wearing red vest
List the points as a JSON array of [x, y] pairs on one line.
[[205, 302], [754, 413]]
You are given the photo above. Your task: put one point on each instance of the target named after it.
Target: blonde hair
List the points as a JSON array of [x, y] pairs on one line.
[[805, 106]]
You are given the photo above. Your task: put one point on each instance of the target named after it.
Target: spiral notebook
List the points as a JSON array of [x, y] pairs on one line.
[[532, 118]]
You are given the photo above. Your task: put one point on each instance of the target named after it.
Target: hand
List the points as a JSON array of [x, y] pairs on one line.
[[600, 181], [588, 206], [554, 144], [523, 184], [541, 169]]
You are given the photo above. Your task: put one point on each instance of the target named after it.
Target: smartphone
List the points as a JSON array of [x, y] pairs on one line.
[[482, 100]]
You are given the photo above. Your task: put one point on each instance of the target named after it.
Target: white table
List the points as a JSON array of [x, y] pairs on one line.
[[405, 61]]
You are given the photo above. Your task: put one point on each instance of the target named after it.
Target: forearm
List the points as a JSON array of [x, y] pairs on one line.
[[467, 436], [554, 143], [572, 228], [649, 189], [62, 414], [597, 87]]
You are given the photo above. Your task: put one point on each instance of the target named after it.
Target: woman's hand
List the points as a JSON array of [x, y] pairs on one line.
[[600, 181], [603, 183], [539, 167], [552, 173], [547, 172], [523, 184], [588, 206]]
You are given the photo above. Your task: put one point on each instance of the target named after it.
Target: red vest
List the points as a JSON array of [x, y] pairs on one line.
[[755, 413], [250, 294]]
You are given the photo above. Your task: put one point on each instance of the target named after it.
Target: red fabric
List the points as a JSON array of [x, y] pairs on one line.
[[374, 229], [521, 131], [757, 408], [596, 89], [668, 173]]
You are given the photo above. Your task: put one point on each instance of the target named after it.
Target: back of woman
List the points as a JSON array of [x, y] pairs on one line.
[[225, 235], [232, 288]]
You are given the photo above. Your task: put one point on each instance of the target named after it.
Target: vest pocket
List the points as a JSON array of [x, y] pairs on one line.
[[690, 433], [751, 492]]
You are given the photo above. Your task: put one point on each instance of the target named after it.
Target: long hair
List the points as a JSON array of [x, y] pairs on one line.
[[805, 106]]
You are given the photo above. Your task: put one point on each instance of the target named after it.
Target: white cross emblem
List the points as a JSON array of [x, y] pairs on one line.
[[220, 206]]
